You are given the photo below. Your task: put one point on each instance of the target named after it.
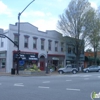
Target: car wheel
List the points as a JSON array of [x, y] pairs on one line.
[[60, 72], [86, 71], [74, 71], [99, 70]]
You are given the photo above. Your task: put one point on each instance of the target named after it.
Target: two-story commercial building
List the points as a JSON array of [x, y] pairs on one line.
[[35, 46]]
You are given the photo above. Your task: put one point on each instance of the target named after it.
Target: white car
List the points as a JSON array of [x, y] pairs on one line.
[[68, 68]]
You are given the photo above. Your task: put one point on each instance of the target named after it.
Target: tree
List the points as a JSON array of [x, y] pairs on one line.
[[89, 50], [73, 23], [94, 32]]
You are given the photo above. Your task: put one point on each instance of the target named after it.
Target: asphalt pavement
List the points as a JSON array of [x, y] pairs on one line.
[[52, 87]]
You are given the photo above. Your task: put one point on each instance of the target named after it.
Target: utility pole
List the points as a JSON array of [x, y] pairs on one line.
[[18, 52]]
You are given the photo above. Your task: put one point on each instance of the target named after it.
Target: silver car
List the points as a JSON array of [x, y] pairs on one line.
[[67, 69], [93, 68]]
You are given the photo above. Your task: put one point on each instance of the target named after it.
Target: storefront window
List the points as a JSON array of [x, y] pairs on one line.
[[2, 55]]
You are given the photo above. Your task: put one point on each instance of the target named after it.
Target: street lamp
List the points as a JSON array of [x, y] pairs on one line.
[[19, 34], [47, 64]]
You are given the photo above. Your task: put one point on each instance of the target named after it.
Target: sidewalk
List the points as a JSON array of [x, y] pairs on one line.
[[20, 74]]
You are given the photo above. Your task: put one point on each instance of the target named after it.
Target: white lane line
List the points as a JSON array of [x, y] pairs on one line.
[[74, 75], [86, 78], [18, 84], [68, 80], [98, 76], [72, 89], [43, 87], [46, 82]]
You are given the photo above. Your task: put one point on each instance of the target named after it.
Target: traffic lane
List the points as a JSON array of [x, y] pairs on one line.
[[58, 89]]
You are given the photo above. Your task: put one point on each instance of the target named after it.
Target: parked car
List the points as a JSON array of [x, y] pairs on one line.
[[92, 68], [68, 68]]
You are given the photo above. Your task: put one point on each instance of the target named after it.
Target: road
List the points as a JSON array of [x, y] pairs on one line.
[[56, 87]]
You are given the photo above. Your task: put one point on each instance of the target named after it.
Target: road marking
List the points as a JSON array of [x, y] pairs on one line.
[[18, 84], [43, 87], [68, 80], [98, 76], [86, 78], [72, 89], [46, 82], [74, 75]]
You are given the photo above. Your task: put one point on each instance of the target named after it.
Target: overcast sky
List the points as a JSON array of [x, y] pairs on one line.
[[41, 13]]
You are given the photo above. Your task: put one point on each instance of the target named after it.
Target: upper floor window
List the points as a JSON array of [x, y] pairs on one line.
[[42, 44], [16, 39], [62, 46], [34, 43], [2, 43], [49, 44], [26, 41], [69, 50], [56, 45], [82, 51], [74, 50]]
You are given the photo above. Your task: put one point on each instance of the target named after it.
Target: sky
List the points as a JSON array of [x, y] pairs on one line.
[[43, 14]]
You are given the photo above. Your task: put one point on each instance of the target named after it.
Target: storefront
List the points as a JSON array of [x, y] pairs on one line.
[[56, 61], [27, 59], [3, 61]]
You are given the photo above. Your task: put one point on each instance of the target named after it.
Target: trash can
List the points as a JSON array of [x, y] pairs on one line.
[[13, 71]]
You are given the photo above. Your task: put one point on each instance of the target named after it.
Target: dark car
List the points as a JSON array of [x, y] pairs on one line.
[[92, 68]]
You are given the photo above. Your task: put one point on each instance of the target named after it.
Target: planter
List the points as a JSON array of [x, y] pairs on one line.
[[34, 73]]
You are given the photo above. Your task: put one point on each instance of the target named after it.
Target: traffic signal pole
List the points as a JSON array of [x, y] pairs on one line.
[[18, 52]]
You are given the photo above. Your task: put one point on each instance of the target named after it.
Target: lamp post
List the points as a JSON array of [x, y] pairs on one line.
[[19, 14], [47, 64]]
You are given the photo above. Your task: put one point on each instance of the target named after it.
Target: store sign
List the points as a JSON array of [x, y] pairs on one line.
[[32, 57], [27, 56], [21, 62], [55, 58], [23, 57]]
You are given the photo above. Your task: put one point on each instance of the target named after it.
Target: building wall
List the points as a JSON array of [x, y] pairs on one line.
[[70, 57], [32, 31]]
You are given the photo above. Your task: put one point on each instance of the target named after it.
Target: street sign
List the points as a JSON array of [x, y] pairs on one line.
[[21, 62]]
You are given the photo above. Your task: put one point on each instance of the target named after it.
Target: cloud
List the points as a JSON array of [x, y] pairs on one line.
[[43, 24], [4, 9], [94, 5]]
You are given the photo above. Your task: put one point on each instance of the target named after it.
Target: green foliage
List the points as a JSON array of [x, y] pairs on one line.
[[33, 69]]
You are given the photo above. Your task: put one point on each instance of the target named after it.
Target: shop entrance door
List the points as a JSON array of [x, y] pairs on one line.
[[42, 63], [55, 63]]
